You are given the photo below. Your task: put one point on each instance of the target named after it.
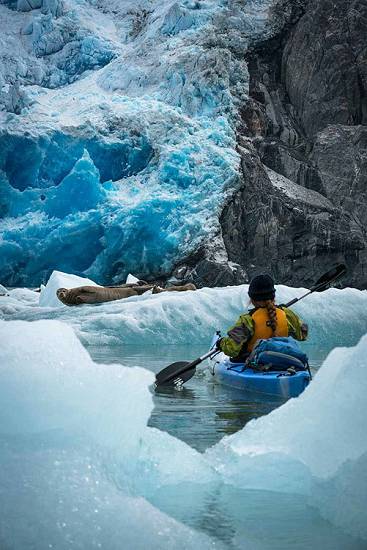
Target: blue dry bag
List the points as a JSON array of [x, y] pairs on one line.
[[278, 354]]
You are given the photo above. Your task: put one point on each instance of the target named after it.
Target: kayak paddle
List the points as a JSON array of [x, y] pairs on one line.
[[323, 283], [180, 372]]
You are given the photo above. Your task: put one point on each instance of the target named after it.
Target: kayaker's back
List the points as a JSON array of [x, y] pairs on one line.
[[265, 321]]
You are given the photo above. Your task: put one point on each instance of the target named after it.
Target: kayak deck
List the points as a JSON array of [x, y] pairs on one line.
[[280, 383]]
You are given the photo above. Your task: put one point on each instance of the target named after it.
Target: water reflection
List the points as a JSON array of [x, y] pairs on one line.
[[175, 393], [248, 519], [202, 411]]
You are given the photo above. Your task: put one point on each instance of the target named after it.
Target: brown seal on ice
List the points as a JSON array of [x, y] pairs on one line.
[[99, 294]]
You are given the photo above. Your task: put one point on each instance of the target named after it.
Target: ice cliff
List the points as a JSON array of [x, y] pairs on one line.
[[134, 137], [120, 167]]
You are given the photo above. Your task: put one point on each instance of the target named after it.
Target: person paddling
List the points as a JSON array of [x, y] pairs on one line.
[[264, 321]]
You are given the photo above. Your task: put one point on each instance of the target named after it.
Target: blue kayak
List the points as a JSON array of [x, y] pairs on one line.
[[281, 383]]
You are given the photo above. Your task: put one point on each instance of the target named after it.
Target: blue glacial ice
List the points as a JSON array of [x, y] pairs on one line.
[[74, 437], [139, 93], [140, 223]]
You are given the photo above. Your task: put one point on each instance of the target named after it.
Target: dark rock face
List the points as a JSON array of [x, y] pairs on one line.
[[324, 65], [284, 229], [209, 266], [302, 136], [305, 121]]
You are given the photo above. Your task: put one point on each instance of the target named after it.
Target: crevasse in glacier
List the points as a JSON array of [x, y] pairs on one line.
[[155, 116]]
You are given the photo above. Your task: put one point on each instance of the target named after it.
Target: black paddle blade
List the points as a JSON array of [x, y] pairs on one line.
[[325, 281], [172, 375]]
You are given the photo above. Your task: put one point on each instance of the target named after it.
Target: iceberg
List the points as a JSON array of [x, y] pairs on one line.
[[75, 449], [186, 317], [315, 444], [17, 300], [58, 280], [342, 498], [131, 279]]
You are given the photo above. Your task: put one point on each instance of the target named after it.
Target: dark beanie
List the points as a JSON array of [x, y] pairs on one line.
[[262, 288]]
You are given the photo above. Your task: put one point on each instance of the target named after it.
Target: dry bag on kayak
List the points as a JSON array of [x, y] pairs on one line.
[[277, 354]]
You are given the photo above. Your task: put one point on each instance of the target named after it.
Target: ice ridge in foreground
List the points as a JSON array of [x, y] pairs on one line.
[[75, 446]]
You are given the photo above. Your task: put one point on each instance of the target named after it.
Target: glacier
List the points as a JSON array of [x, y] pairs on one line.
[[117, 133], [76, 448]]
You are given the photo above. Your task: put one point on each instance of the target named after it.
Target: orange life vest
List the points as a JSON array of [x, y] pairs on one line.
[[260, 318]]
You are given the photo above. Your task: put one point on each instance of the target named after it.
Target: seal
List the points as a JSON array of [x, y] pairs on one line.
[[100, 294]]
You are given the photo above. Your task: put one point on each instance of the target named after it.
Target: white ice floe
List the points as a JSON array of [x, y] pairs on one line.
[[131, 279], [185, 317], [58, 279]]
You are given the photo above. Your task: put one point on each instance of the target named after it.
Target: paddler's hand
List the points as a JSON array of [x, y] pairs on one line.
[[217, 344], [304, 331]]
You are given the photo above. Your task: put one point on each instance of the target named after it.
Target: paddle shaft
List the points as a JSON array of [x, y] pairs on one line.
[[295, 300]]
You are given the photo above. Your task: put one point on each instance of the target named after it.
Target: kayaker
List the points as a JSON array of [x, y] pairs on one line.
[[265, 320]]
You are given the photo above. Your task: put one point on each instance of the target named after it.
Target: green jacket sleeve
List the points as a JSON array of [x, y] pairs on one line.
[[296, 327], [238, 335]]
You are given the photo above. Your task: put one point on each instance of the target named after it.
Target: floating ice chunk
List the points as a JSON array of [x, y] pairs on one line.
[[195, 316], [342, 499], [25, 295], [317, 440], [73, 439], [131, 279], [85, 507], [58, 279], [3, 289], [17, 300], [69, 498], [48, 382]]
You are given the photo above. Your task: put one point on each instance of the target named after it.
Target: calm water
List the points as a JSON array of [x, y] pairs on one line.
[[203, 411], [201, 414]]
